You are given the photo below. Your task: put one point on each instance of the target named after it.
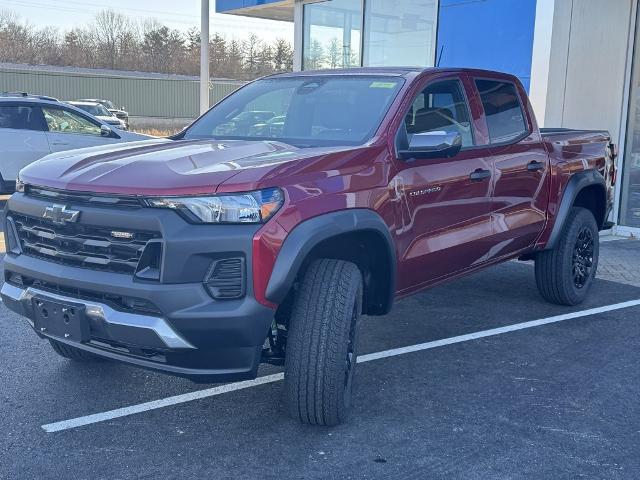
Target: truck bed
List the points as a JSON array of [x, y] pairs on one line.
[[566, 143], [559, 134]]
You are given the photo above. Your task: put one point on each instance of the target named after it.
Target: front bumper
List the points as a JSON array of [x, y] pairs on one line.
[[190, 334], [121, 325]]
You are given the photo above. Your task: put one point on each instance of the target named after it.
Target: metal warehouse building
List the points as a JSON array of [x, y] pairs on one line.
[[152, 99]]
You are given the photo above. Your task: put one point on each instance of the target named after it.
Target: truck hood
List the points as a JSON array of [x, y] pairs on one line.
[[160, 166]]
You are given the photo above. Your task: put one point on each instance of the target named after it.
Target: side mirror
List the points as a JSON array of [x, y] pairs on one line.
[[106, 131], [432, 144]]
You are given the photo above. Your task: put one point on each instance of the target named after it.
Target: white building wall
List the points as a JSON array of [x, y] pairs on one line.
[[582, 83]]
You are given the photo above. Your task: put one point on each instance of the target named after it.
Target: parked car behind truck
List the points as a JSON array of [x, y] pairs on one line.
[[209, 253], [101, 113], [120, 113], [33, 126]]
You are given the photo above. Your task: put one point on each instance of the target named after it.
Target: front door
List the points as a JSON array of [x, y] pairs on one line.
[[446, 202]]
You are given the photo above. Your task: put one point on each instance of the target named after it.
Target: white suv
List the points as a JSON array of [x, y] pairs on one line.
[[34, 126]]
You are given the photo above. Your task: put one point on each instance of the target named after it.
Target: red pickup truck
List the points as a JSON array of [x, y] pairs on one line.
[[263, 231]]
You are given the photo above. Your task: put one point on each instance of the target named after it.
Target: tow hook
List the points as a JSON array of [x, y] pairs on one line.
[[273, 350]]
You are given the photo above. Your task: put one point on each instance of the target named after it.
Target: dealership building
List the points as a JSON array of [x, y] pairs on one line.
[[579, 59]]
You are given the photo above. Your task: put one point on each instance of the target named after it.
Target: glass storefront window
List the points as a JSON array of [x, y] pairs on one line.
[[400, 32], [332, 34], [630, 198], [396, 33]]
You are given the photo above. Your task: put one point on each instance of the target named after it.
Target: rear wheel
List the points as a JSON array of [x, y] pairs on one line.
[[73, 353], [564, 274], [322, 343]]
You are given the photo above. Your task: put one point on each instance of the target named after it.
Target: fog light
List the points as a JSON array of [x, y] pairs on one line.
[[225, 279]]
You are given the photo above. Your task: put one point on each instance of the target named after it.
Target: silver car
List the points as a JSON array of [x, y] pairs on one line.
[[34, 126]]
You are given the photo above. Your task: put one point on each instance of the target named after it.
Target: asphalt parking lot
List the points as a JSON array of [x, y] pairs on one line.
[[555, 400]]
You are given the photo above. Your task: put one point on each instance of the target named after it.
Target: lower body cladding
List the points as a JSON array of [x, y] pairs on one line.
[[180, 323]]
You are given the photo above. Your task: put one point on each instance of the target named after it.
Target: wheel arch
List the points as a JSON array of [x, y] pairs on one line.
[[585, 189], [356, 235]]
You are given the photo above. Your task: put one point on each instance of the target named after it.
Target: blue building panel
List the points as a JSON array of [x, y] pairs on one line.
[[223, 6], [490, 34]]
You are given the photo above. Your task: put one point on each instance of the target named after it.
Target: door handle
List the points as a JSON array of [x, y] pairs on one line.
[[535, 166], [59, 143], [480, 174]]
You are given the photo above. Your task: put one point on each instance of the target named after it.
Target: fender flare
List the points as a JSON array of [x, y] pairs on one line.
[[576, 184], [310, 233]]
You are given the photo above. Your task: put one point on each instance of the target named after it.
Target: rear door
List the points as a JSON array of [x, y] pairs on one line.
[[22, 137], [446, 202], [520, 163], [69, 129]]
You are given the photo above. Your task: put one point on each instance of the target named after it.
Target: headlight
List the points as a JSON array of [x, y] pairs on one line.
[[249, 207]]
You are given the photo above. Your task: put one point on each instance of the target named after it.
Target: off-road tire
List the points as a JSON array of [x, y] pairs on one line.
[[556, 268], [321, 352], [73, 353]]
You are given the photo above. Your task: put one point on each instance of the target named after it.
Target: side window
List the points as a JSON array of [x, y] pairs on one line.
[[505, 118], [441, 106], [20, 117], [64, 121]]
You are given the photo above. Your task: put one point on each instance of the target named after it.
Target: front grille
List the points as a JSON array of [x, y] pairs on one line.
[[81, 245], [117, 302], [66, 196]]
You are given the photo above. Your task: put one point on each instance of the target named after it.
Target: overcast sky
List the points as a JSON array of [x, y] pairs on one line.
[[180, 14]]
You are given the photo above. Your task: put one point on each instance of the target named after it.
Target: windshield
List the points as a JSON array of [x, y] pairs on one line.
[[95, 110], [302, 111]]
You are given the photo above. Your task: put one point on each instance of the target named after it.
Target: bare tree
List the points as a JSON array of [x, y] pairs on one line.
[[315, 58], [116, 42], [218, 55], [251, 47], [282, 56], [16, 39], [334, 56], [112, 32]]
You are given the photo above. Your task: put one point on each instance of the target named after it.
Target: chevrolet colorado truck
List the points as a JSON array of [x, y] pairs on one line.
[[268, 227]]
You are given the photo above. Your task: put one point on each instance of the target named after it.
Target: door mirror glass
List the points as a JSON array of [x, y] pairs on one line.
[[432, 144]]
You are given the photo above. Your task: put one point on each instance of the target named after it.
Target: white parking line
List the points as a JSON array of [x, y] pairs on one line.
[[232, 387]]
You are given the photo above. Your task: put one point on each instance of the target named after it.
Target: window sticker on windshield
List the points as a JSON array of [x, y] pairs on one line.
[[382, 85]]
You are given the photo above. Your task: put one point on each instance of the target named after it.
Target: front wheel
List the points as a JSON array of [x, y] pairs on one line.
[[565, 273], [321, 345]]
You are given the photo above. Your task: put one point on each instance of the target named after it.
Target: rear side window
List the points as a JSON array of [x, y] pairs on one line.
[[505, 118], [20, 117]]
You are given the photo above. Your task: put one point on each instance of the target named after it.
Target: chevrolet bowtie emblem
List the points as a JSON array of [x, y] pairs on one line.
[[59, 214]]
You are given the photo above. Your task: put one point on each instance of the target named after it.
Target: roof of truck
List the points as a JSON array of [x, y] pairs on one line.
[[384, 71]]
